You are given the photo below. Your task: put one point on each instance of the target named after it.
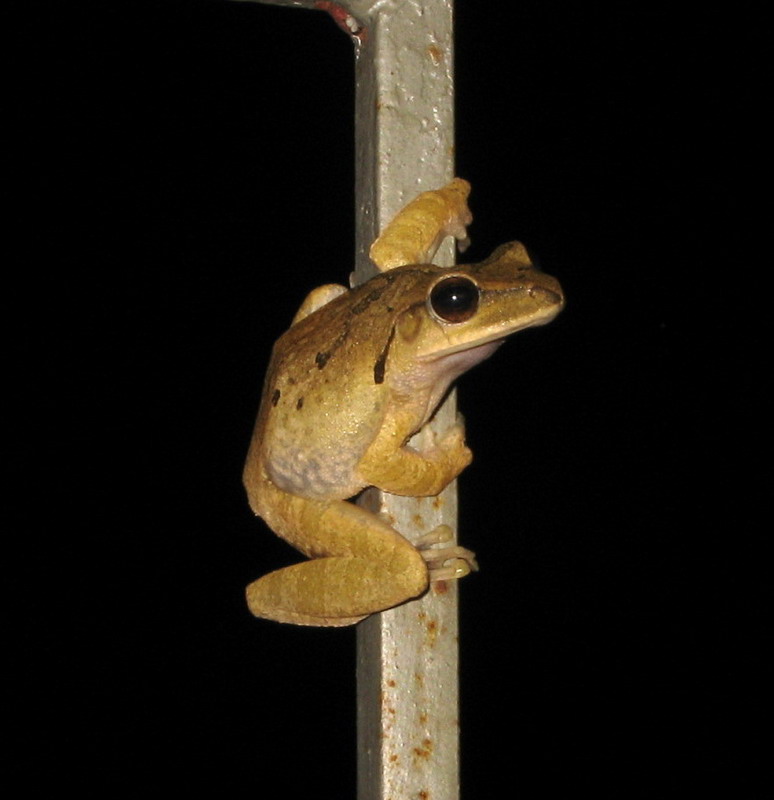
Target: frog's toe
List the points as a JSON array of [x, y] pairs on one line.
[[445, 563], [439, 534], [454, 569]]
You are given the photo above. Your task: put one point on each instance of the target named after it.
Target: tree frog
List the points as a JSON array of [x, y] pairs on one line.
[[357, 374]]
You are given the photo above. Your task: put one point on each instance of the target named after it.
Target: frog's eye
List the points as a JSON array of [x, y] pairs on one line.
[[454, 299]]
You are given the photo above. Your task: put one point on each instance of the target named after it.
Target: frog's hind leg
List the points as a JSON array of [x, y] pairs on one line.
[[359, 564]]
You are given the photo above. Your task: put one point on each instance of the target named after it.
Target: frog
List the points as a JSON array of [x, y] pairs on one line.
[[359, 372]]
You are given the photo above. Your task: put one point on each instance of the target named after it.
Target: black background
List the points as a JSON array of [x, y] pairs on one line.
[[184, 174]]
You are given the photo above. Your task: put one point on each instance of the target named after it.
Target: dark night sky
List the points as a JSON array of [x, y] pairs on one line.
[[186, 171]]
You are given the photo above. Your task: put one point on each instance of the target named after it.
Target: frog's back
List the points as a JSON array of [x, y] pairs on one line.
[[320, 408]]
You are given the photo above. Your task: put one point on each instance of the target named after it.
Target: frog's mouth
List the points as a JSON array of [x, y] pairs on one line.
[[479, 352]]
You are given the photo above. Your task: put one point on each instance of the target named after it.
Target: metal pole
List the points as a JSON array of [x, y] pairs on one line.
[[407, 657], [408, 726]]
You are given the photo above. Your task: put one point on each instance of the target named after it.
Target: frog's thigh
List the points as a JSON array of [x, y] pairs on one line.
[[359, 565]]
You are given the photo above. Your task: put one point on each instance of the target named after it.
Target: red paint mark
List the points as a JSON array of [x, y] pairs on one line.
[[343, 19]]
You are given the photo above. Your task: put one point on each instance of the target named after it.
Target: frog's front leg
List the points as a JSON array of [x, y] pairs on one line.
[[418, 229], [409, 472], [359, 564]]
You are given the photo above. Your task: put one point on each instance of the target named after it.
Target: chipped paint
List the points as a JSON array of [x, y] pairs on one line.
[[436, 54], [425, 750]]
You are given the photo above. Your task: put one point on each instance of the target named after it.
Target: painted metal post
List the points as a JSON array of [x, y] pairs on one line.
[[407, 662], [408, 726]]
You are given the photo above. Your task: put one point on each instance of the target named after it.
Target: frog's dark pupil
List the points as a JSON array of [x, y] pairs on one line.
[[455, 299]]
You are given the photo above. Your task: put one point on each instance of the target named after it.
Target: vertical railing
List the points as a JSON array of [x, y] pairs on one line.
[[408, 728]]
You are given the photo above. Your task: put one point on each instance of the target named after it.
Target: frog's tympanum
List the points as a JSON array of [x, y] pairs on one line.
[[357, 374]]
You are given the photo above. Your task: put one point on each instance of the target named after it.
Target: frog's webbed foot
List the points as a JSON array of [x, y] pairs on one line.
[[445, 563]]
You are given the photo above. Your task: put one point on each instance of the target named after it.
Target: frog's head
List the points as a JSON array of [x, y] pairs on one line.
[[459, 316], [473, 305]]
